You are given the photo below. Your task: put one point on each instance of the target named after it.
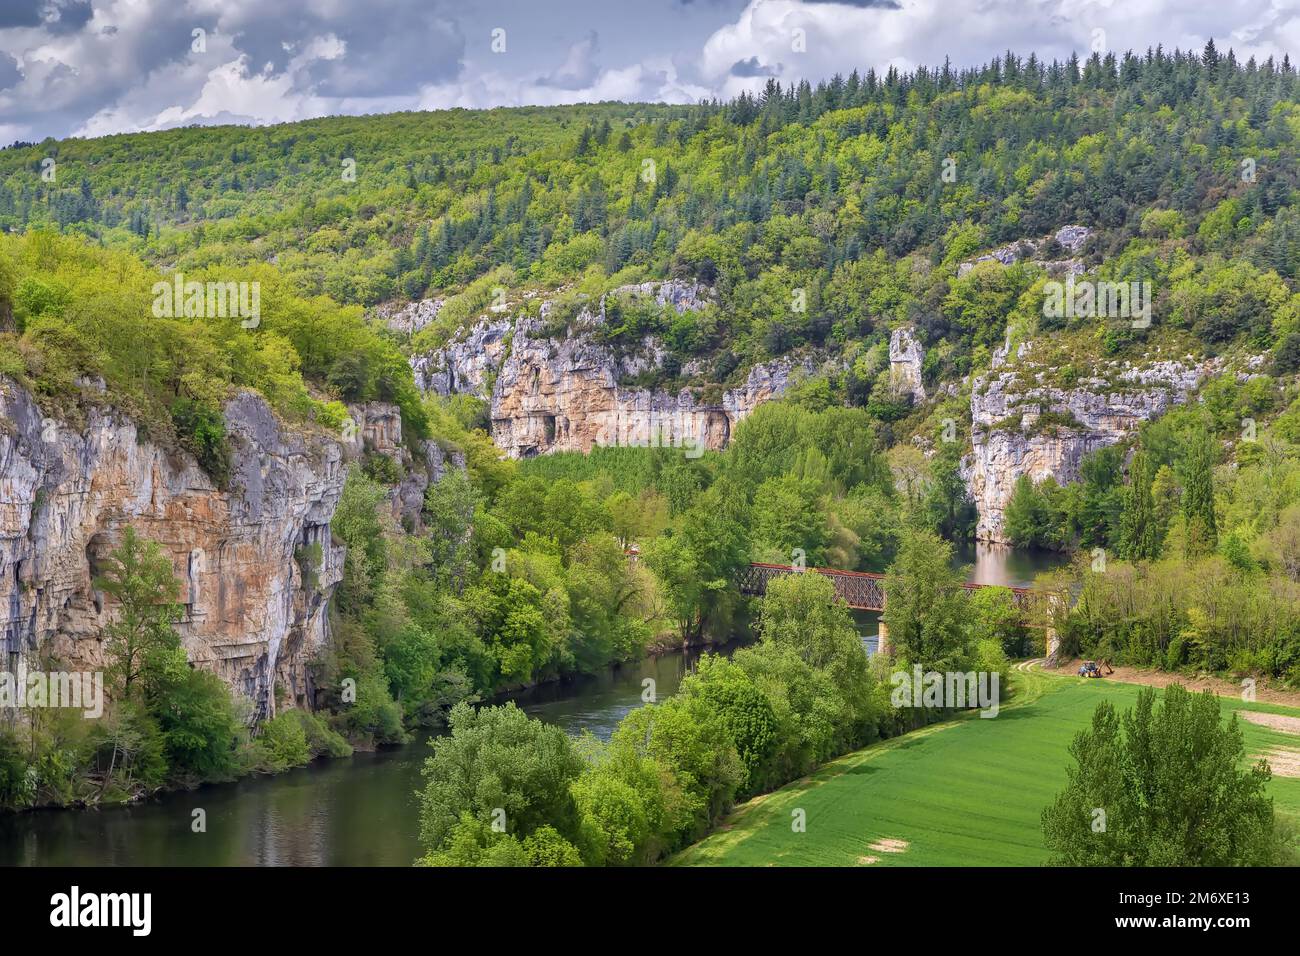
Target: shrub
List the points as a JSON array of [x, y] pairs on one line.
[[283, 743], [200, 726], [202, 432], [16, 785], [321, 740]]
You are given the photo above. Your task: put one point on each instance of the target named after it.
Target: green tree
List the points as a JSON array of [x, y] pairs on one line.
[[1026, 520], [1198, 497], [924, 607], [691, 742], [744, 710], [1140, 536], [141, 640], [1163, 786], [788, 514], [199, 725], [801, 612], [949, 506], [500, 767]]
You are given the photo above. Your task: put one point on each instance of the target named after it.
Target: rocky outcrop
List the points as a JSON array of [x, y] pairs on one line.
[[1068, 239], [566, 397], [1024, 423], [375, 428], [412, 317], [464, 367], [568, 393], [256, 562], [905, 359]]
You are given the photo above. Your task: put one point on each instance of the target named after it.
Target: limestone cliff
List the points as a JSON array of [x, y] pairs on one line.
[[1024, 422], [256, 562], [905, 362], [375, 428], [1068, 240], [567, 393]]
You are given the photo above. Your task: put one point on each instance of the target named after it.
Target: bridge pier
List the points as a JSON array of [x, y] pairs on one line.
[[1053, 642], [882, 646]]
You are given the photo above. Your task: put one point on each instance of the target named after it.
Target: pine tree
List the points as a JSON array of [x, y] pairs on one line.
[[1198, 498], [1139, 532]]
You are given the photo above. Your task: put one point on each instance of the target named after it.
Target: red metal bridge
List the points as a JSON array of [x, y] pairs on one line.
[[860, 590]]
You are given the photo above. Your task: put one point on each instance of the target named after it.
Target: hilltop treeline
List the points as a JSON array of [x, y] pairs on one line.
[[837, 189]]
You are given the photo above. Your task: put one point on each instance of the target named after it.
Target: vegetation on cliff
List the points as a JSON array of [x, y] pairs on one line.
[[824, 215], [161, 724]]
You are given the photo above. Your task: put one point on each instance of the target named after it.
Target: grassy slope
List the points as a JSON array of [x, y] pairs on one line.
[[968, 792]]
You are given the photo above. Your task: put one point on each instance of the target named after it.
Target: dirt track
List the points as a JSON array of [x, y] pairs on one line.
[[1153, 678]]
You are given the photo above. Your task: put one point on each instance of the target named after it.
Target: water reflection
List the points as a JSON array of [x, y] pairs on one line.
[[1007, 566], [360, 811]]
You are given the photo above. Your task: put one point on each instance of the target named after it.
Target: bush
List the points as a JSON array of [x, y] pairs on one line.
[[127, 753], [202, 432], [283, 743], [498, 763], [321, 740], [16, 785], [200, 726], [374, 716]]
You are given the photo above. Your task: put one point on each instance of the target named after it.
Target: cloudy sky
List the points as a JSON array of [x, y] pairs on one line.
[[93, 67]]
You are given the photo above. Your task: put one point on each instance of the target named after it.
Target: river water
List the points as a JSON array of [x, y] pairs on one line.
[[362, 810]]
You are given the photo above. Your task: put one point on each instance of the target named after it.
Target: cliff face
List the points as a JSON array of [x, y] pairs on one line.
[[564, 394], [905, 363], [463, 367], [1023, 425], [256, 562], [377, 430]]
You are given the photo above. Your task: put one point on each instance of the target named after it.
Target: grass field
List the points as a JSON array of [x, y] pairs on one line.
[[967, 792]]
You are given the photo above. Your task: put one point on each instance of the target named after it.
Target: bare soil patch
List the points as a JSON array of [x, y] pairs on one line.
[[1218, 685], [1284, 762], [1288, 725], [889, 846]]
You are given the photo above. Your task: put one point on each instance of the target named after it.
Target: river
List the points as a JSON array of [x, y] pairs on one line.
[[362, 810]]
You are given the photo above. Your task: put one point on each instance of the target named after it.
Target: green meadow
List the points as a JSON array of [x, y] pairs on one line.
[[964, 793]]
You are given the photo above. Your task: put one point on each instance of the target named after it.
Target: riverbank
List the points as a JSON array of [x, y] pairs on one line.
[[353, 811], [963, 792], [359, 810]]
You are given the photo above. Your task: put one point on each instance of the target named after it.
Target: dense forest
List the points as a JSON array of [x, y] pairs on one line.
[[863, 194]]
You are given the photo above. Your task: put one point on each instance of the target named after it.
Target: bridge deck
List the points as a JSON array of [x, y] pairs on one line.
[[860, 590]]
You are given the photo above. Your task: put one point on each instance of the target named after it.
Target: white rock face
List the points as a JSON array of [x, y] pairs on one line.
[[1069, 238], [378, 431], [252, 614], [683, 296], [905, 358], [257, 562], [414, 316], [1095, 415], [564, 394], [463, 367]]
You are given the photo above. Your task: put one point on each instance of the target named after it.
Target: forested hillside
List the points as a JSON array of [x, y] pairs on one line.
[[864, 192], [825, 218]]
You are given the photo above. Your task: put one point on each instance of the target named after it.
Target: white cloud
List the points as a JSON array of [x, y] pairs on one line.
[[129, 66], [842, 37]]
